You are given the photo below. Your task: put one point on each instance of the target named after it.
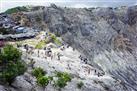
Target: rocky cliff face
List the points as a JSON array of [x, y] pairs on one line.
[[106, 36]]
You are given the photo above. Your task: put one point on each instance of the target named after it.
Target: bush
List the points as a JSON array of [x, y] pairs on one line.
[[9, 53], [12, 70], [9, 73], [63, 78], [43, 81], [64, 75], [61, 83], [80, 84], [38, 72], [21, 67], [11, 65]]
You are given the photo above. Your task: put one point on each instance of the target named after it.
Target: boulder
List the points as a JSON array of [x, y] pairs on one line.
[[2, 88], [22, 84]]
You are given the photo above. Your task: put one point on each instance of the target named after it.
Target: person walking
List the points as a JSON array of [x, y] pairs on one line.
[[38, 52], [69, 66], [26, 47], [73, 49], [32, 62], [51, 56], [89, 70], [18, 45], [58, 55], [45, 48], [45, 56], [67, 45], [95, 71]]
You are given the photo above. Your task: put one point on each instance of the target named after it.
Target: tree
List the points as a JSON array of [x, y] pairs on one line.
[[11, 65], [9, 53]]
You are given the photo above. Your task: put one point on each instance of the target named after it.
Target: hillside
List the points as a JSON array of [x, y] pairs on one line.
[[106, 37]]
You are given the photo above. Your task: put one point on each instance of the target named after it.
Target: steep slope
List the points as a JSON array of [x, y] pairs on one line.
[[106, 36]]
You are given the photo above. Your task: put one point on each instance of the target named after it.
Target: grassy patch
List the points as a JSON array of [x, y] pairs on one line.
[[55, 39], [40, 45]]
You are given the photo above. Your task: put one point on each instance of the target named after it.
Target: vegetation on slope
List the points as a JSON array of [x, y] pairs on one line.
[[40, 44], [63, 78], [10, 64], [43, 80], [55, 39], [50, 38], [38, 72], [16, 9]]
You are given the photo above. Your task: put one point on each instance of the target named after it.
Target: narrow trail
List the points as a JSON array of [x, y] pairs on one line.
[[69, 62]]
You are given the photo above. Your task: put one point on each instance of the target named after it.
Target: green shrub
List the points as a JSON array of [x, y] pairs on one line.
[[38, 72], [63, 78], [9, 53], [61, 83], [80, 84], [43, 81], [10, 66], [67, 77], [11, 71], [21, 67]]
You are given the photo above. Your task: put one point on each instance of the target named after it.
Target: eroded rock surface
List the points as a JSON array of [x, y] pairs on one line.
[[106, 36], [94, 33]]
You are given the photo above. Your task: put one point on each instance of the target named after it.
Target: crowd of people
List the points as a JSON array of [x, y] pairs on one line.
[[88, 69], [47, 52], [83, 59]]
